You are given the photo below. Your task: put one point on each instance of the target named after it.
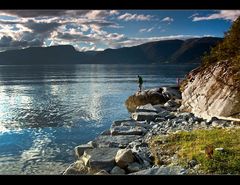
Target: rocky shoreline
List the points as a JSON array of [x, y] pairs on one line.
[[124, 148]]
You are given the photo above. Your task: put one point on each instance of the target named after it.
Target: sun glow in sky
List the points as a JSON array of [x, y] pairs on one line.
[[101, 29]]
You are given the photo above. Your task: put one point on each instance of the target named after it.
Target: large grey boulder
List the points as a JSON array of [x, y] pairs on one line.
[[146, 108], [134, 167], [132, 123], [127, 130], [171, 92], [142, 116], [100, 158], [152, 96], [117, 171], [163, 170], [118, 141], [124, 157]]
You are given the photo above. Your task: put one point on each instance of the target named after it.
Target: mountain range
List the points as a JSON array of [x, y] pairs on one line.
[[158, 52]]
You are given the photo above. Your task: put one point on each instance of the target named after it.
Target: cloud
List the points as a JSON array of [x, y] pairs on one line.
[[167, 19], [230, 15], [146, 30], [134, 17], [42, 27], [100, 14], [7, 42], [35, 13], [34, 28], [129, 42], [90, 14], [193, 15]]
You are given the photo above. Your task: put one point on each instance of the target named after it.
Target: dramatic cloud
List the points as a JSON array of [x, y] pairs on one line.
[[7, 42], [96, 14], [167, 19], [90, 14], [35, 13], [84, 29], [146, 30], [42, 27], [134, 17], [230, 15]]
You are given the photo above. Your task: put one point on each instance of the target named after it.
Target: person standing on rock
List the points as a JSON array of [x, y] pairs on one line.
[[140, 82]]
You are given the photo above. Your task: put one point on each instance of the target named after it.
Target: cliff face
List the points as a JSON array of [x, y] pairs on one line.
[[212, 91]]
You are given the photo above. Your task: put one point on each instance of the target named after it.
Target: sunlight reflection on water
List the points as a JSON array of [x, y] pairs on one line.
[[45, 111]]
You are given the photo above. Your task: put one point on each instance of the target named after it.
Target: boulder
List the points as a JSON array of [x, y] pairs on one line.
[[117, 171], [99, 158], [118, 141], [171, 92], [152, 96], [102, 172], [127, 130], [142, 116], [146, 108], [79, 150], [77, 168], [134, 167], [124, 157], [171, 103], [132, 123], [162, 170], [159, 107]]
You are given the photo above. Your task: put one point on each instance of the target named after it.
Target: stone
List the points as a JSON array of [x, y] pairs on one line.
[[219, 149], [79, 150], [152, 96], [164, 114], [159, 119], [171, 103], [102, 172], [100, 158], [159, 107], [118, 141], [117, 171], [192, 163], [171, 92], [134, 167], [77, 168], [127, 130], [162, 170], [132, 123], [124, 157], [146, 108], [142, 116]]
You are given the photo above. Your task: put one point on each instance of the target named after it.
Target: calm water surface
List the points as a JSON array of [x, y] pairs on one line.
[[45, 111]]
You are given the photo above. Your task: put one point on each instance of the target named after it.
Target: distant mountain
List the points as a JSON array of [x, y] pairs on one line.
[[168, 51]]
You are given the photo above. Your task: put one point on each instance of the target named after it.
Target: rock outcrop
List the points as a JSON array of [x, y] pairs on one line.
[[153, 96], [124, 148], [211, 92]]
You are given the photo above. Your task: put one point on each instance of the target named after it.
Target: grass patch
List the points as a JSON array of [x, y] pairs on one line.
[[200, 145]]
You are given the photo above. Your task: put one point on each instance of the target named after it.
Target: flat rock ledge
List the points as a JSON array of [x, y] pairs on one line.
[[123, 149]]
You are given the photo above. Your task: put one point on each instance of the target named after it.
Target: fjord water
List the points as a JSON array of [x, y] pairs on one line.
[[45, 111]]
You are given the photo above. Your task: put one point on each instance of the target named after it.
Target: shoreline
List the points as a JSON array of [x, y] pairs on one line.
[[124, 147]]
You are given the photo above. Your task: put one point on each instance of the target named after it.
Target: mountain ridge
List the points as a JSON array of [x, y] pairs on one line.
[[159, 52]]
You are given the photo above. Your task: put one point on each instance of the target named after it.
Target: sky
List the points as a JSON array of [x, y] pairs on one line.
[[101, 29]]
